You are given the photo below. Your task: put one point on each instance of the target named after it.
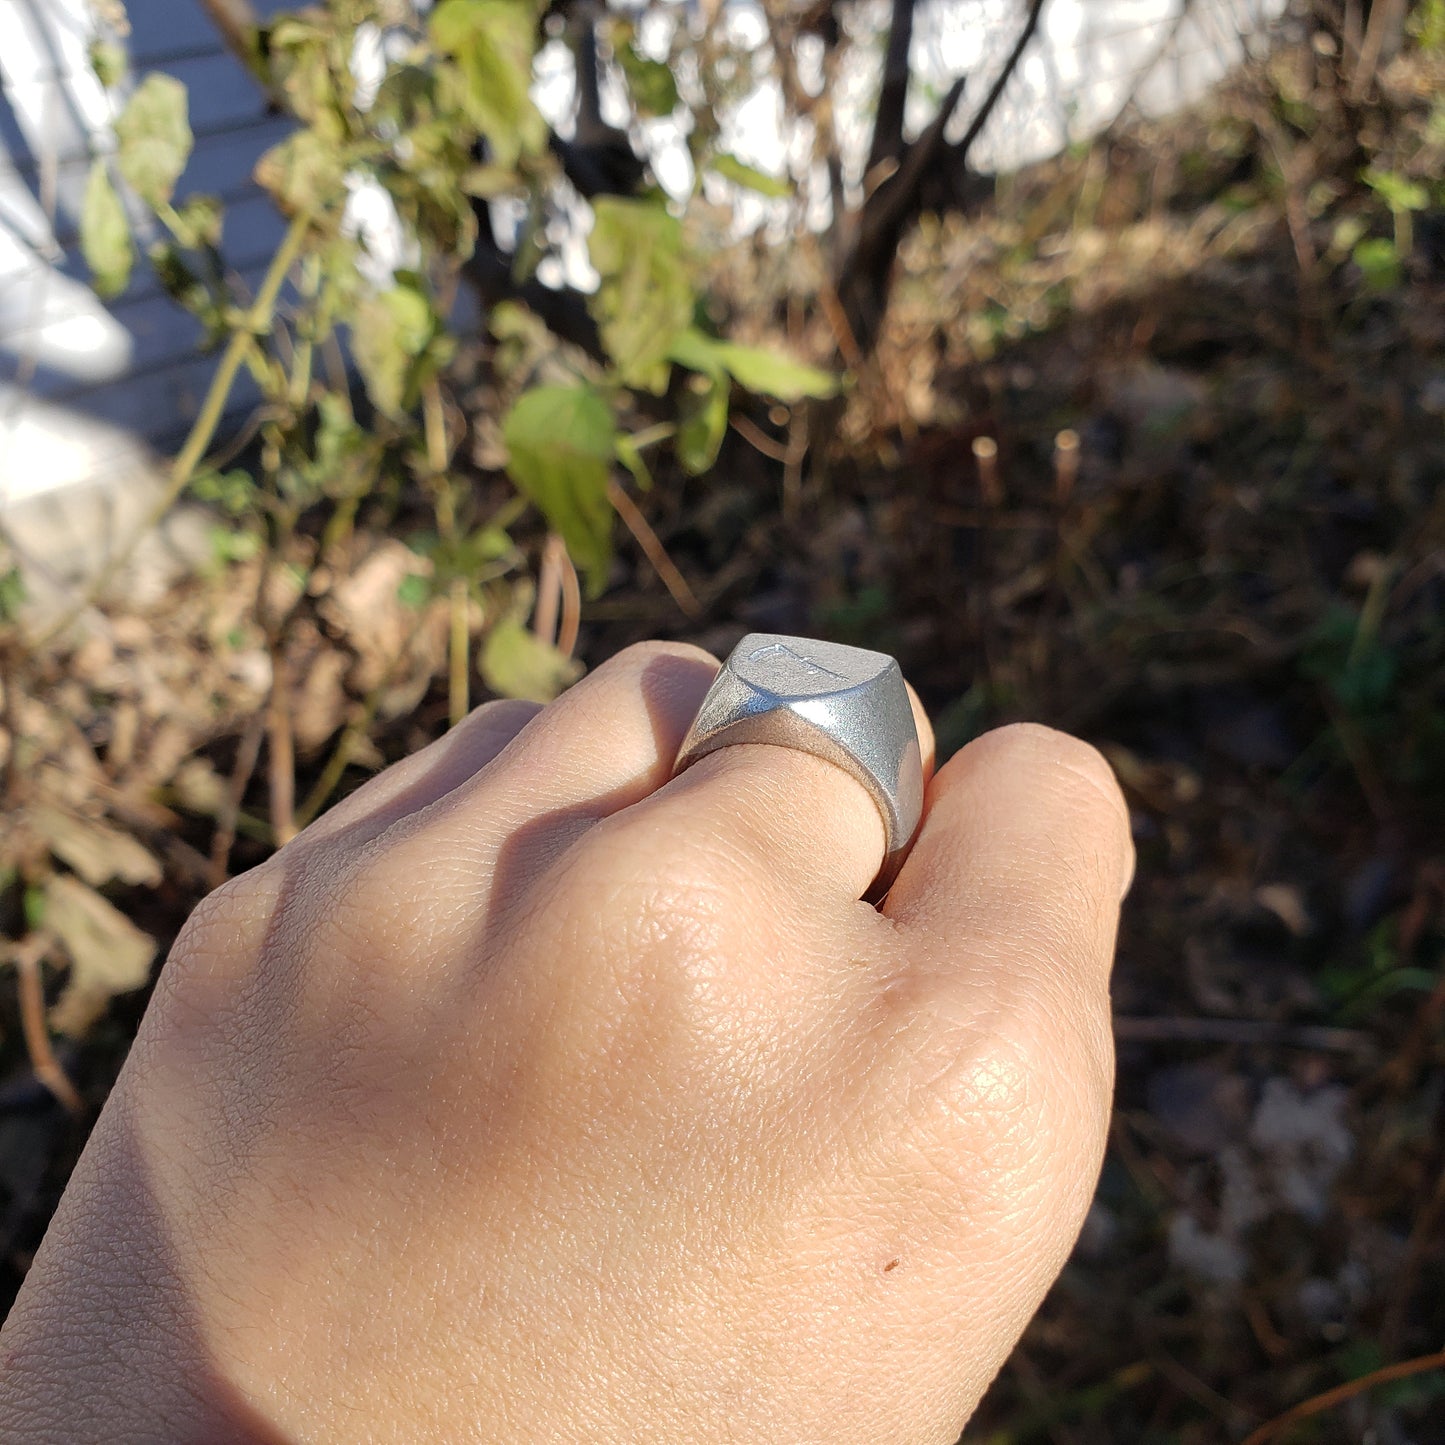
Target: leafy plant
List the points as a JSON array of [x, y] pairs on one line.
[[443, 126]]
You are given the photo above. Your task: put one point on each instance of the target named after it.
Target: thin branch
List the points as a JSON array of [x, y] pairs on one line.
[[558, 617], [239, 26], [656, 553], [26, 957], [229, 817], [1382, 39], [893, 96], [356, 730], [1206, 1030], [1422, 1364], [990, 102], [281, 749]]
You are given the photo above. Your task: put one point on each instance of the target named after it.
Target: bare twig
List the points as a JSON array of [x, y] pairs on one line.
[[9, 683], [459, 639], [991, 100], [549, 589], [1066, 465], [227, 819], [1171, 1030], [558, 616], [281, 750], [888, 123], [985, 453], [758, 439], [1387, 19], [655, 552], [26, 957], [1328, 1399]]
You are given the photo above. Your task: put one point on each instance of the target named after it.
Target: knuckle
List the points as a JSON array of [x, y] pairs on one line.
[[639, 656], [1070, 764], [1018, 1109], [230, 919]]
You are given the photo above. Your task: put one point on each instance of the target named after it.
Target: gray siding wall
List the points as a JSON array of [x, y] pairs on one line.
[[156, 390]]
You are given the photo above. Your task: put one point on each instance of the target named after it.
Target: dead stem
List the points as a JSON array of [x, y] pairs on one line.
[[14, 772], [356, 730], [459, 636], [1066, 465], [281, 752], [655, 552], [229, 816], [1328, 1399], [1243, 1032], [549, 589], [26, 957]]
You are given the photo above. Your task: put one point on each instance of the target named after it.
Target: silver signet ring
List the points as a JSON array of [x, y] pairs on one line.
[[846, 705]]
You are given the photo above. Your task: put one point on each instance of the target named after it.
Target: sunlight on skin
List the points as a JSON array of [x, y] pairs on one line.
[[521, 1102]]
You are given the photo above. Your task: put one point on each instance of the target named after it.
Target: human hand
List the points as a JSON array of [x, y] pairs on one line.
[[529, 1095]]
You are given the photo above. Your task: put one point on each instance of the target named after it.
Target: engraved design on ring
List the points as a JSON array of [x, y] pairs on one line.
[[846, 705]]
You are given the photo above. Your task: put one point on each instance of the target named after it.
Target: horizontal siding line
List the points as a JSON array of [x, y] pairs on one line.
[[28, 168], [158, 60], [190, 353], [68, 236], [209, 144], [151, 290]]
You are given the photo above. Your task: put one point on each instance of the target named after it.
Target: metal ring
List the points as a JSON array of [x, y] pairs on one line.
[[846, 705]]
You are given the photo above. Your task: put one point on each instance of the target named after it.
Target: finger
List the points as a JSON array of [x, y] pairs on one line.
[[1023, 858], [779, 818], [419, 780], [601, 747]]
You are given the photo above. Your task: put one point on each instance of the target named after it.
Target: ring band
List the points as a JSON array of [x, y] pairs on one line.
[[846, 705]]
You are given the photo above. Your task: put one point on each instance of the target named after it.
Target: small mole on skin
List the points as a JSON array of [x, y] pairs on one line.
[[891, 1265]]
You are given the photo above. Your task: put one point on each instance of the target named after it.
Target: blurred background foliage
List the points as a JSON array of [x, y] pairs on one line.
[[1145, 441]]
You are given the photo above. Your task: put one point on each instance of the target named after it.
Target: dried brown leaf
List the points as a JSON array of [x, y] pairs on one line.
[[108, 954], [97, 852]]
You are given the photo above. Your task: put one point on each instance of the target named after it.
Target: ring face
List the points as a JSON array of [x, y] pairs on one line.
[[844, 704]]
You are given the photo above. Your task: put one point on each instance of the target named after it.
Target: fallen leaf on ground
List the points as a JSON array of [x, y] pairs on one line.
[[108, 953]]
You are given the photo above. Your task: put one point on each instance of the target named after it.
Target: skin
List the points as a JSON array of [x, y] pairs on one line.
[[531, 1096]]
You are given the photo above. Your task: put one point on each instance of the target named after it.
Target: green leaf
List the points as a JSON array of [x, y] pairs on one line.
[[651, 83], [32, 908], [730, 168], [560, 442], [630, 455], [296, 51], [105, 234], [391, 332], [302, 173], [515, 662], [234, 492], [489, 182], [198, 222], [704, 424], [774, 374], [153, 138], [754, 367], [107, 60], [414, 591], [491, 42], [108, 953], [1398, 192], [645, 299], [1379, 262], [12, 593]]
